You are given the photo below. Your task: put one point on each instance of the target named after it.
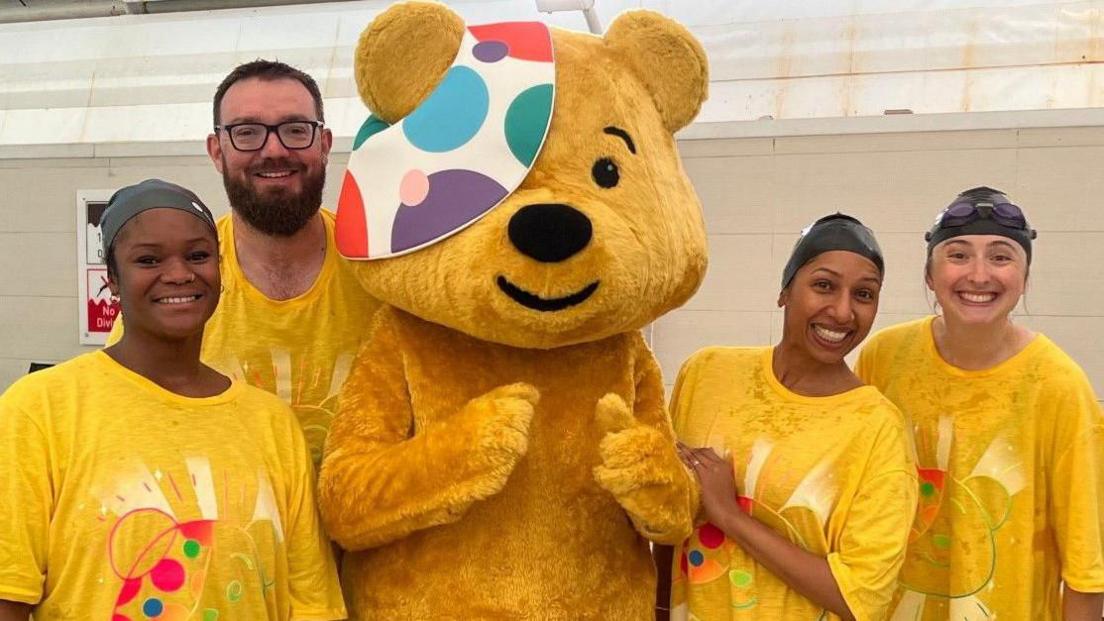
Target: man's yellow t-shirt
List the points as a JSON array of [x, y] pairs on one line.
[[124, 501], [1009, 462], [832, 474], [298, 349]]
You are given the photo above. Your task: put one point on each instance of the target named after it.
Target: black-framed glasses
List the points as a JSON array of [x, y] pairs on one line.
[[293, 135]]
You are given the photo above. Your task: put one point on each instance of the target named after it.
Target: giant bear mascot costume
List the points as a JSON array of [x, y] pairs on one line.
[[502, 449]]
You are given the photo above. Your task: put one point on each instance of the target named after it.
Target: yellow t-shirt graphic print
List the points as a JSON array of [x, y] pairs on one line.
[[1009, 464], [309, 385], [955, 514], [128, 502], [831, 474], [298, 349], [164, 565]]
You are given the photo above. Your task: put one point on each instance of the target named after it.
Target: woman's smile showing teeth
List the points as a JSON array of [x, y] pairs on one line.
[[831, 336], [178, 300], [977, 298]]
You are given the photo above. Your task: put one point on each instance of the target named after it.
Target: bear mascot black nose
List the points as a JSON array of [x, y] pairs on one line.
[[549, 232]]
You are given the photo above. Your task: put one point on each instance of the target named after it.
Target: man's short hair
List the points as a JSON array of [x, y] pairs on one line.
[[268, 70]]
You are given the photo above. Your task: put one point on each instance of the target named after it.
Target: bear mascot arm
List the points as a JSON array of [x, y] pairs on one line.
[[639, 465], [381, 482]]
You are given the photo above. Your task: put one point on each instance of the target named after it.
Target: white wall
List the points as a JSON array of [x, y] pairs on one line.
[[757, 193]]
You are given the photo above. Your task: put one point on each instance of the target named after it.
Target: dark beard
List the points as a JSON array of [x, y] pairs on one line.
[[279, 214]]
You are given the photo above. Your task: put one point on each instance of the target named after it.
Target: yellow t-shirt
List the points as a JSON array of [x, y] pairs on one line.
[[125, 501], [298, 349], [1009, 464], [832, 474]]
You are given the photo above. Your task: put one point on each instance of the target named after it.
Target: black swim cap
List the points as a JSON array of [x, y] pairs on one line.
[[835, 232], [981, 211]]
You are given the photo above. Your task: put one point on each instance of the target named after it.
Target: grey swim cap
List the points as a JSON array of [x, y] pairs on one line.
[[149, 194]]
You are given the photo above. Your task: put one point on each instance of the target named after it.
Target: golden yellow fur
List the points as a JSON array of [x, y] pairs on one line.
[[491, 461]]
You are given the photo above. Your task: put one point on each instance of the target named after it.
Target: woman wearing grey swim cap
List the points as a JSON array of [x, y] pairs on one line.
[[1008, 435], [140, 483], [807, 487]]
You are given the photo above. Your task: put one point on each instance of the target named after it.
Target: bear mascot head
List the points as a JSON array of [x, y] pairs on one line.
[[502, 448]]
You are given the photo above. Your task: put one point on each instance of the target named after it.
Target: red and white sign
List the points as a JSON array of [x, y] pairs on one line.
[[101, 309], [97, 310]]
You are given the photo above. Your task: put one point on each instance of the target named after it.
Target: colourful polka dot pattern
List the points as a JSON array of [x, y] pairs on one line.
[[452, 115], [192, 548], [371, 126], [490, 51], [456, 156], [932, 487], [163, 573], [528, 113], [414, 188], [451, 200], [153, 608], [351, 232], [739, 578], [704, 557], [168, 575], [525, 40], [711, 536], [708, 571]]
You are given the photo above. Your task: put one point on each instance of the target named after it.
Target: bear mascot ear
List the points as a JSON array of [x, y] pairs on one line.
[[667, 59], [403, 54]]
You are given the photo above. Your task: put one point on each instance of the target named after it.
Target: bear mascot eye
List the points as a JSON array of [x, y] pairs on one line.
[[605, 173]]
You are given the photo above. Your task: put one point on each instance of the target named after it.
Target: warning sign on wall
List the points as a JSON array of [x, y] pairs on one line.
[[97, 311], [101, 309]]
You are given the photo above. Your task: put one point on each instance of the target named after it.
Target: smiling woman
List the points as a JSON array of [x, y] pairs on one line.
[[1008, 435], [163, 267], [810, 514], [169, 472]]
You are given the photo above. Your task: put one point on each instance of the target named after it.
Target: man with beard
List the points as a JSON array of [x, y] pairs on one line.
[[292, 314]]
